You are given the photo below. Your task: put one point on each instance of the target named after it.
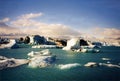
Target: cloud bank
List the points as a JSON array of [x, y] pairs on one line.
[[6, 29], [107, 32], [28, 24], [5, 20]]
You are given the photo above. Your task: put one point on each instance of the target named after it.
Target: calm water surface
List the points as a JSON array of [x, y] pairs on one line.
[[53, 73]]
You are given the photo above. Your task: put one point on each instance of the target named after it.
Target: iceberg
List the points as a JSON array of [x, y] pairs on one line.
[[94, 64], [68, 66], [91, 64], [11, 44], [45, 46], [43, 52], [84, 50], [73, 43], [41, 59], [11, 62], [106, 59], [80, 45], [109, 65]]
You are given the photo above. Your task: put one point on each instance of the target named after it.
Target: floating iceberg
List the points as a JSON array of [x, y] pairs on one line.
[[91, 64], [80, 45], [45, 46], [74, 43], [11, 44], [84, 50], [94, 64], [43, 52], [68, 66], [41, 59], [109, 65], [106, 59], [11, 62]]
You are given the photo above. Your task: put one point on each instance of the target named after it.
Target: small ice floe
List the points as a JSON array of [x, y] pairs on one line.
[[86, 50], [68, 66], [11, 62], [109, 65], [92, 50], [94, 64], [91, 64], [80, 50], [106, 59], [43, 52], [41, 59], [45, 46]]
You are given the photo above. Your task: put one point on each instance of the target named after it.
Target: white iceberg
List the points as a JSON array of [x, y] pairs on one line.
[[68, 66], [74, 43], [43, 52], [11, 62], [80, 45], [41, 59], [106, 59], [45, 46], [84, 50], [109, 65], [9, 45], [94, 64], [91, 64]]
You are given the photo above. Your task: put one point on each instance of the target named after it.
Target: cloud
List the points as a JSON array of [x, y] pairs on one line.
[[31, 15], [27, 24], [5, 20], [30, 26], [107, 32], [6, 29]]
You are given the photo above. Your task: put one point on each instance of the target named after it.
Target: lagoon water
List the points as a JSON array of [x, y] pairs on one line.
[[73, 66]]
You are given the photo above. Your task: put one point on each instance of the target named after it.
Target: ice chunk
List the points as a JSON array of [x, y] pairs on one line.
[[106, 59], [11, 44], [45, 46], [11, 62], [41, 61], [109, 65], [91, 64], [43, 52], [68, 66], [74, 43]]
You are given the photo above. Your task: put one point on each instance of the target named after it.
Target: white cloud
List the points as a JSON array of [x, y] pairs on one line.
[[107, 32], [27, 24], [5, 29], [31, 15], [5, 19], [31, 26]]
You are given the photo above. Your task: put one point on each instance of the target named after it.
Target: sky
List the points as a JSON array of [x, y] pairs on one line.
[[100, 18]]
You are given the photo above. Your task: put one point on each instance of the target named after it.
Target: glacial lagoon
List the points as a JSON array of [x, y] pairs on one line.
[[69, 66]]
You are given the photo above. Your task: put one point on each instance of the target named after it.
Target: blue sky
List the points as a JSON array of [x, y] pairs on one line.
[[77, 14]]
